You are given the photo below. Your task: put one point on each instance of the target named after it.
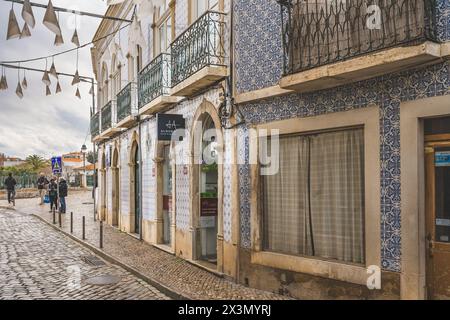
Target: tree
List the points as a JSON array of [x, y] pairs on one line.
[[91, 157], [35, 162]]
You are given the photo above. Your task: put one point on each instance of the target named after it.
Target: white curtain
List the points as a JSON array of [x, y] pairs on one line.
[[337, 195], [286, 200], [314, 205]]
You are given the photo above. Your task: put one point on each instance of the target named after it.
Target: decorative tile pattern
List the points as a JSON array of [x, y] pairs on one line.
[[148, 131], [257, 40], [258, 52], [244, 185], [227, 175], [124, 176], [387, 92]]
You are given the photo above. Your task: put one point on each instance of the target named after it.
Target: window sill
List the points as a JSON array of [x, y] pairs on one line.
[[341, 271], [365, 67]]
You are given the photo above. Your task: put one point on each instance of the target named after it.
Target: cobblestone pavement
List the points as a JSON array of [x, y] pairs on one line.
[[175, 273], [38, 262]]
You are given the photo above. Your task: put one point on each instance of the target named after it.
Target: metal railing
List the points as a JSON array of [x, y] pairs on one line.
[[24, 181], [95, 125], [154, 79], [107, 116], [126, 102], [320, 32], [201, 45]]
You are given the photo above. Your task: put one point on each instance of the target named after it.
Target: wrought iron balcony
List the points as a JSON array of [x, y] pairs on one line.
[[154, 79], [95, 125], [107, 116], [320, 32], [201, 45], [126, 102]]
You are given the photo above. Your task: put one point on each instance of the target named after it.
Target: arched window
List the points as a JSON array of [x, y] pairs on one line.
[[116, 77], [105, 93]]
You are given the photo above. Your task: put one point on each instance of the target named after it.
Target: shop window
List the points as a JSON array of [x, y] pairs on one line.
[[314, 204], [208, 192]]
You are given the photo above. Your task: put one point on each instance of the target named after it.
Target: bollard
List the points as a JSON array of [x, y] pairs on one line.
[[60, 219], [101, 234], [54, 216], [84, 228], [71, 222]]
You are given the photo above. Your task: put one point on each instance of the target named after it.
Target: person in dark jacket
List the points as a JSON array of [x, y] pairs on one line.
[[10, 184], [53, 194], [42, 183], [62, 195]]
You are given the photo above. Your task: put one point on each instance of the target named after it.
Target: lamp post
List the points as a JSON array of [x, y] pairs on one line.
[[84, 180]]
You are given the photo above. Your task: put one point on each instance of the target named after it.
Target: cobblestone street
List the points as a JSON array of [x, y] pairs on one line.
[[38, 262], [179, 276]]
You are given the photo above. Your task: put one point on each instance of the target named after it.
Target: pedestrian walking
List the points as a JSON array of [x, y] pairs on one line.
[[53, 194], [62, 195], [10, 184], [42, 184]]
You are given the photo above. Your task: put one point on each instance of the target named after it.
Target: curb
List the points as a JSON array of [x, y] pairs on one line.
[[161, 287]]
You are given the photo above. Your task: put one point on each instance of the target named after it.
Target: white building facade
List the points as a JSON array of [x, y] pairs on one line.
[[170, 67]]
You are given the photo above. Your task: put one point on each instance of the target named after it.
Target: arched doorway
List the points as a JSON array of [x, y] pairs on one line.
[[207, 187], [135, 189], [115, 189]]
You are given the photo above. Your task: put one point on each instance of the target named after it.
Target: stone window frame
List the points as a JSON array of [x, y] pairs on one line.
[[369, 119]]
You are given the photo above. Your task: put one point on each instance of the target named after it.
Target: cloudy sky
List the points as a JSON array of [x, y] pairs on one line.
[[38, 124]]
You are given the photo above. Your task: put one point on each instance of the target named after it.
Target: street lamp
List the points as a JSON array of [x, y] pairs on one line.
[[83, 150]]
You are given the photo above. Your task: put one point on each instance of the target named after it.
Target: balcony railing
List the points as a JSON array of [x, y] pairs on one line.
[[320, 32], [154, 79], [95, 125], [107, 116], [201, 45], [126, 102]]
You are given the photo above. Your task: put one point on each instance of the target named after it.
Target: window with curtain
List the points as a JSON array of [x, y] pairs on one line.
[[314, 205]]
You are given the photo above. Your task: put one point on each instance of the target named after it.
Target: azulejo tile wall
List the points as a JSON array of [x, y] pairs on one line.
[[258, 52]]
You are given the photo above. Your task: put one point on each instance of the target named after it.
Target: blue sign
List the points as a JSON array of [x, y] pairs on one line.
[[56, 165], [442, 159]]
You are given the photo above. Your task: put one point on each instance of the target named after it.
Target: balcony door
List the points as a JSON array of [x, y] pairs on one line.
[[437, 202]]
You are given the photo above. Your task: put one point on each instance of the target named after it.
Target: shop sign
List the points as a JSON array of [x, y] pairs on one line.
[[167, 124], [209, 206], [442, 159]]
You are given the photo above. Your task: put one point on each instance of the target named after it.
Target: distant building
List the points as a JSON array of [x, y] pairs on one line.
[[10, 161], [72, 159]]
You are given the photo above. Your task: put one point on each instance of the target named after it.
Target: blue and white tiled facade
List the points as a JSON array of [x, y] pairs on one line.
[[258, 65]]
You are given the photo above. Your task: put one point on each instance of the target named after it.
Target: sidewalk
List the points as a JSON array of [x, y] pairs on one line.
[[172, 272]]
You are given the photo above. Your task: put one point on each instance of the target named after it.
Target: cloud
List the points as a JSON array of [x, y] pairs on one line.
[[39, 124]]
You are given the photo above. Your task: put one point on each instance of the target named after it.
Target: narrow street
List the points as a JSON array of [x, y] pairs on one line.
[[181, 278], [38, 262]]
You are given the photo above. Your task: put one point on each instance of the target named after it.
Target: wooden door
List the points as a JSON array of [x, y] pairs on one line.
[[437, 201]]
